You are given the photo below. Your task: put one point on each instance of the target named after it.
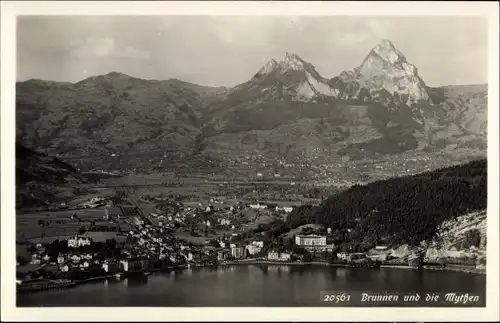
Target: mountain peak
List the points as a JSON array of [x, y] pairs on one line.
[[290, 56], [388, 52], [386, 43], [268, 67], [386, 68], [117, 75], [291, 61]]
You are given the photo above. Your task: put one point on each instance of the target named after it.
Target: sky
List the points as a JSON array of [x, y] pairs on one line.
[[229, 50]]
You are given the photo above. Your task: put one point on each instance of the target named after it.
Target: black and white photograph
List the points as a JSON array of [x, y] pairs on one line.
[[322, 161]]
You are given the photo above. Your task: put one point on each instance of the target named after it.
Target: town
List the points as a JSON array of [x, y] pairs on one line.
[[128, 240]]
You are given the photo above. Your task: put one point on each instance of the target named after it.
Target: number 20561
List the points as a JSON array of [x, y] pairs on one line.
[[336, 298]]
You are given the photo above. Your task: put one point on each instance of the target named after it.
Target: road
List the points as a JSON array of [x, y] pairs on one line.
[[139, 209]]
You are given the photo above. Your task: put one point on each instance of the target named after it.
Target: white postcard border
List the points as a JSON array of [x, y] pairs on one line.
[[9, 11]]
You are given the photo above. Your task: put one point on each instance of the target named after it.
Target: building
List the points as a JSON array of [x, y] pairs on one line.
[[238, 252], [311, 242], [255, 247], [273, 255], [75, 258], [285, 256], [35, 260], [221, 255], [225, 222], [76, 242], [138, 221], [258, 206], [61, 258], [342, 256], [133, 264], [286, 209], [110, 267]]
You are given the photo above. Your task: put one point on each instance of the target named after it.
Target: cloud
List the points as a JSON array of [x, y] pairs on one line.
[[352, 39], [379, 28], [227, 50], [106, 47]]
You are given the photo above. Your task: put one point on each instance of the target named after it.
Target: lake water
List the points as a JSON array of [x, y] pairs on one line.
[[257, 285]]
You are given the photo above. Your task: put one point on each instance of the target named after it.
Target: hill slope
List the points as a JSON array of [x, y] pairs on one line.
[[401, 210], [108, 114], [39, 175], [38, 167]]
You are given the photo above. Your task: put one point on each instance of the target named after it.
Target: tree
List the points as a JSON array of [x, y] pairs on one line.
[[307, 258], [472, 238]]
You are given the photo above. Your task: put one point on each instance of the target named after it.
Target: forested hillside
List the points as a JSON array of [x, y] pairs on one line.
[[400, 210]]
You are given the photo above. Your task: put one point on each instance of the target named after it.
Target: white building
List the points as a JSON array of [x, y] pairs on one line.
[[286, 209], [273, 255], [342, 255], [76, 242], [255, 247], [258, 206], [252, 250], [61, 258], [238, 252], [311, 242], [285, 256], [138, 222], [75, 258], [35, 259]]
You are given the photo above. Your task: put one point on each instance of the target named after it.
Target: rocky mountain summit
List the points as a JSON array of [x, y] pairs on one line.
[[384, 73]]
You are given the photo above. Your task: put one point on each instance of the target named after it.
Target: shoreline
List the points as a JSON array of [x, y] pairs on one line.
[[465, 270], [479, 271]]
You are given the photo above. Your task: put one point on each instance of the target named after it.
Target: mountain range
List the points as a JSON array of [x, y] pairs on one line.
[[379, 109]]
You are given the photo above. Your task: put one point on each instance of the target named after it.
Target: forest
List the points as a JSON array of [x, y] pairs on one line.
[[400, 210]]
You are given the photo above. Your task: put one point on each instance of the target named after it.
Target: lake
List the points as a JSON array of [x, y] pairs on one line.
[[260, 285]]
